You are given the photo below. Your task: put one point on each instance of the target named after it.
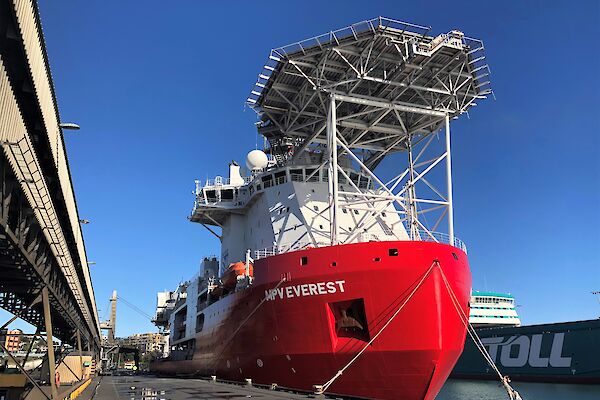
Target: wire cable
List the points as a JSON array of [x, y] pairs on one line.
[[135, 308]]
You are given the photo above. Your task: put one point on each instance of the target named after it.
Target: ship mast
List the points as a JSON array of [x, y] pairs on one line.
[[362, 93]]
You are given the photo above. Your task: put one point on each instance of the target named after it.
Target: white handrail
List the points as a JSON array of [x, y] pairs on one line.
[[437, 237]]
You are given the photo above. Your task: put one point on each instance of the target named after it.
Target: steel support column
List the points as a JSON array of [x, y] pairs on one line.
[[449, 182], [333, 170], [80, 355], [411, 196], [49, 342]]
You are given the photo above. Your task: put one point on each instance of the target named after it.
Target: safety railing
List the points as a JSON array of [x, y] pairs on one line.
[[219, 181], [368, 237], [440, 237], [287, 248], [425, 236], [297, 177], [334, 37]]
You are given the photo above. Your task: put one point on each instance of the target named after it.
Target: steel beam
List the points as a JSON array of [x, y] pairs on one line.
[[50, 344], [80, 355], [374, 102], [333, 170], [449, 182]]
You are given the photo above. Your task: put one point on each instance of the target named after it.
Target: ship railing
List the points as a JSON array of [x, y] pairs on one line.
[[286, 248], [297, 177], [220, 181], [440, 237], [368, 237], [334, 37], [426, 236]]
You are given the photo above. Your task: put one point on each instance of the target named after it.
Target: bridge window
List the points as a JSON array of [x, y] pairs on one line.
[[267, 181], [313, 178], [303, 260], [211, 195], [363, 183], [296, 175], [280, 178], [393, 252], [227, 195]]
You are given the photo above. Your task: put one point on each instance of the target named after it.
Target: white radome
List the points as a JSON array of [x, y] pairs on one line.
[[256, 159]]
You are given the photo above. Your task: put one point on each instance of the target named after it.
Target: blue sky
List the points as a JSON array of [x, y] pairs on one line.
[[159, 88]]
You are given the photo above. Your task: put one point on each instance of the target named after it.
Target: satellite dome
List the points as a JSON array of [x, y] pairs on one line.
[[256, 159]]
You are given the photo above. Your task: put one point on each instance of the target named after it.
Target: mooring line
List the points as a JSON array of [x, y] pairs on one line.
[[321, 389], [505, 380], [512, 393]]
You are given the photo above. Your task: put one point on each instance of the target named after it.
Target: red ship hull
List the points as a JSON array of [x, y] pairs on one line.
[[296, 336]]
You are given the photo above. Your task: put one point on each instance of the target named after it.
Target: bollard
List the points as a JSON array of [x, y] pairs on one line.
[[318, 389], [273, 386], [213, 378], [248, 382]]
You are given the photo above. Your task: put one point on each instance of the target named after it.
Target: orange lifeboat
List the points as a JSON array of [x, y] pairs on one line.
[[234, 270]]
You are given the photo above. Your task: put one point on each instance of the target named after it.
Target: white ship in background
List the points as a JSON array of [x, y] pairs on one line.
[[493, 309]]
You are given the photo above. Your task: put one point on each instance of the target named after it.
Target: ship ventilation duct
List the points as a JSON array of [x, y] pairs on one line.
[[235, 178]]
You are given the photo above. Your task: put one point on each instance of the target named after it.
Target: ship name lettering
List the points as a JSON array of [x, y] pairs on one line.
[[305, 289]]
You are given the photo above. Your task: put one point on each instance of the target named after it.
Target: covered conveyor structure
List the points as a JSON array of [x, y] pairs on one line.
[[44, 273]]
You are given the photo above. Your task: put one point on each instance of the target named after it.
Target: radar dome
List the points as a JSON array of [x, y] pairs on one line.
[[256, 159]]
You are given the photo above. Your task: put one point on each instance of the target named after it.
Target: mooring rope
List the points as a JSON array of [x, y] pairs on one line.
[[512, 393], [326, 385], [505, 380]]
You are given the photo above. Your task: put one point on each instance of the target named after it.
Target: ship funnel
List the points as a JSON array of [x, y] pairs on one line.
[[235, 178]]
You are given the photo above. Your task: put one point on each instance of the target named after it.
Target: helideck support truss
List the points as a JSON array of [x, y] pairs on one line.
[[365, 92]]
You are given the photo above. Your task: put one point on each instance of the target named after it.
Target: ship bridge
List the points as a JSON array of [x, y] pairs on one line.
[[367, 91]]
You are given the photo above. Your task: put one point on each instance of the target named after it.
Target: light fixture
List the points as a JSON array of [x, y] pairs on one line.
[[69, 126], [84, 221]]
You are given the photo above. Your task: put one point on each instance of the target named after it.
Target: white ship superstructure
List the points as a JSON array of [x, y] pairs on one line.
[[278, 209], [492, 309]]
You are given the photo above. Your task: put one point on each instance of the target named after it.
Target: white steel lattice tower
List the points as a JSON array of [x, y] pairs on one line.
[[365, 92]]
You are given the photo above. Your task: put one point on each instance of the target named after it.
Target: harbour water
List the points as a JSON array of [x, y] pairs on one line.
[[458, 389]]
